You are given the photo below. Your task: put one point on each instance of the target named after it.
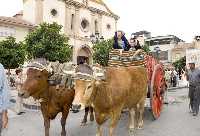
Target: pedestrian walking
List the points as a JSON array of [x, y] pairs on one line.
[[193, 76], [167, 77], [174, 78], [4, 98], [19, 100]]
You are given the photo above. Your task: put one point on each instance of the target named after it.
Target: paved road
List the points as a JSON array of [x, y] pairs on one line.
[[174, 121]]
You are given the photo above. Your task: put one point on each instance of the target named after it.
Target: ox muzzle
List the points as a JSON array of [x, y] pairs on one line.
[[76, 108]]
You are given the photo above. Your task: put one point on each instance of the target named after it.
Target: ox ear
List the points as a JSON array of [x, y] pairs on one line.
[[46, 73]]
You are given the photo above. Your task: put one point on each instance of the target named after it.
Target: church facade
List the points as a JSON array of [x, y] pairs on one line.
[[80, 19]]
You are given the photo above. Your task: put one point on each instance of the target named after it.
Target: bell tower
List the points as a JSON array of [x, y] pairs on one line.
[[33, 11]]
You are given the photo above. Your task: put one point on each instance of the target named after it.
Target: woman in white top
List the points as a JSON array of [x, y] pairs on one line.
[[19, 101]]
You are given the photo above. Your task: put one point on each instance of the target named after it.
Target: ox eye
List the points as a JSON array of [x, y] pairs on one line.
[[89, 87], [39, 76]]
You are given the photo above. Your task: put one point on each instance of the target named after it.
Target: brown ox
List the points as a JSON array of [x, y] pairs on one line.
[[52, 100], [122, 88], [82, 84]]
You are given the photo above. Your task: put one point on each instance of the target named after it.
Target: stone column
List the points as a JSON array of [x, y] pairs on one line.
[[115, 25], [100, 27], [39, 11], [92, 24], [67, 27], [169, 55], [77, 22]]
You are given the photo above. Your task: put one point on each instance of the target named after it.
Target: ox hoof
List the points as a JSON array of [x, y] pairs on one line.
[[131, 131], [63, 134], [91, 118], [140, 125], [139, 128], [83, 123]]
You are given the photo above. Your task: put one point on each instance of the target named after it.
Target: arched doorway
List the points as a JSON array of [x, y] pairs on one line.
[[84, 55]]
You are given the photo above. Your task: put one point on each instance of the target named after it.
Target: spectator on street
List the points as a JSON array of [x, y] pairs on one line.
[[193, 76], [174, 78], [19, 100], [167, 77], [4, 99]]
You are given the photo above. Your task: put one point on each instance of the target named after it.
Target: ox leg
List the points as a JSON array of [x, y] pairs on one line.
[[100, 119], [132, 114], [141, 112], [63, 122], [84, 121], [91, 114], [99, 130], [47, 126], [114, 120], [46, 120]]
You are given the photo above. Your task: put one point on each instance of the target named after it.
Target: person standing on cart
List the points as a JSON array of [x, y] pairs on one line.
[[120, 41], [193, 76]]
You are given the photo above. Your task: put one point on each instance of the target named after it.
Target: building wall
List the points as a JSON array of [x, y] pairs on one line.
[[79, 1], [165, 47], [6, 30], [96, 5], [84, 14], [39, 11], [108, 33], [196, 44], [64, 17], [21, 33], [29, 11], [59, 6], [18, 32], [177, 54]]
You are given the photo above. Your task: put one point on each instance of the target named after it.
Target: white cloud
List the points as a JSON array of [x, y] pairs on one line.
[[10, 7], [161, 17]]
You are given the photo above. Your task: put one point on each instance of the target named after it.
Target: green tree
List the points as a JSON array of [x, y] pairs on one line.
[[101, 52], [12, 54], [180, 64], [46, 41], [146, 48]]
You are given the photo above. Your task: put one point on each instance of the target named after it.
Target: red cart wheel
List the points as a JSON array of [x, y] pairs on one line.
[[156, 92]]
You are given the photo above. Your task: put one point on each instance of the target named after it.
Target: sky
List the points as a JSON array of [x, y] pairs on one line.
[[160, 17]]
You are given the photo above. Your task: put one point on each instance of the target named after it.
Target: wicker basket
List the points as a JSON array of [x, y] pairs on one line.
[[125, 59]]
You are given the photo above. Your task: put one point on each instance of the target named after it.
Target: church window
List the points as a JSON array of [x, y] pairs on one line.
[[108, 26], [54, 12], [72, 22], [96, 26], [85, 25]]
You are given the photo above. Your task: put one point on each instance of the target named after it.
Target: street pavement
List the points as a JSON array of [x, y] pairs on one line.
[[175, 120]]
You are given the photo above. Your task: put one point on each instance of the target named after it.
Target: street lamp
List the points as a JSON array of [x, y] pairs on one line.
[[95, 38], [157, 51]]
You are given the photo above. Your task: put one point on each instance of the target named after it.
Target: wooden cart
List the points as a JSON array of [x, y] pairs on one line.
[[157, 85], [155, 73]]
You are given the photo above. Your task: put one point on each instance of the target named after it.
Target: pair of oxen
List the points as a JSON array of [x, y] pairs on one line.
[[122, 88]]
